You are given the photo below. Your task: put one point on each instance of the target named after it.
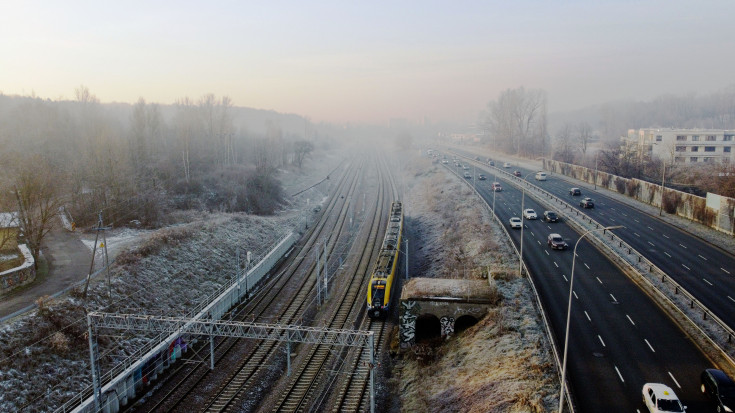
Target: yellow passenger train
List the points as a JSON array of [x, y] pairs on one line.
[[384, 272]]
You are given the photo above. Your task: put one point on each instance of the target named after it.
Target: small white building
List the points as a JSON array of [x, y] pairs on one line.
[[683, 145]]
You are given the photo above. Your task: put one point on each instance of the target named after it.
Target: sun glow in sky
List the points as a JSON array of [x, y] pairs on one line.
[[344, 61]]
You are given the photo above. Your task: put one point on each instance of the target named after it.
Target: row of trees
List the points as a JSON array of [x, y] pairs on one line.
[[136, 162], [516, 122]]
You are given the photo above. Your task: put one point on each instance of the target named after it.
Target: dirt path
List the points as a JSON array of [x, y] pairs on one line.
[[68, 260]]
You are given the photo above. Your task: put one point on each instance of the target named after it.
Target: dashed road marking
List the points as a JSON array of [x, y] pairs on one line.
[[683, 246], [613, 297], [701, 257], [585, 264], [636, 234], [649, 345], [705, 280], [650, 228], [575, 294], [630, 319], [731, 299], [725, 270], [557, 265], [601, 341], [547, 252], [539, 242], [652, 244], [619, 375], [565, 278], [686, 267], [599, 280], [672, 378], [667, 254], [588, 316], [665, 236]]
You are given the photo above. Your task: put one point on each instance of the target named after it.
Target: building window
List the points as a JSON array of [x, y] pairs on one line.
[[695, 137], [681, 137], [727, 138], [681, 148], [711, 138], [679, 159], [707, 159], [695, 148], [726, 149], [693, 159], [709, 148], [659, 138]]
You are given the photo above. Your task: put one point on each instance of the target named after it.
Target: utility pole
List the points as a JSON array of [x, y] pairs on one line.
[[94, 253]]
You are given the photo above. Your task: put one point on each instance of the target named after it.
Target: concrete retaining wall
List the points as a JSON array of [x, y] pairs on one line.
[[714, 211], [21, 275]]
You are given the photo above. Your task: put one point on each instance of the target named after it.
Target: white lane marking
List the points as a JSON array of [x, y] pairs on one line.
[[705, 280], [725, 270], [619, 375], [599, 280], [565, 278], [585, 264], [667, 254], [686, 267], [636, 234], [575, 294], [601, 213], [701, 257], [612, 219], [731, 299], [650, 228], [601, 341], [588, 316], [532, 234], [652, 244], [557, 265], [636, 220], [612, 209], [672, 378], [665, 236], [630, 319], [649, 345], [613, 297], [539, 242], [683, 246], [624, 214], [547, 252]]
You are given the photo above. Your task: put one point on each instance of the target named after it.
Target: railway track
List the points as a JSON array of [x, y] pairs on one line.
[[295, 278]]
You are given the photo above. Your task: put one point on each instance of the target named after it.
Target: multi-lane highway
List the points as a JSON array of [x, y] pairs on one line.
[[705, 271], [619, 339]]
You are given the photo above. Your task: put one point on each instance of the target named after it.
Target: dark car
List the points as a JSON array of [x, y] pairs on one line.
[[550, 216], [719, 388], [492, 163], [467, 175], [556, 242], [575, 192], [481, 177], [477, 158], [587, 203], [517, 173]]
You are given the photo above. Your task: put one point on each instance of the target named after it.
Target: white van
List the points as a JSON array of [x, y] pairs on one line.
[[540, 176]]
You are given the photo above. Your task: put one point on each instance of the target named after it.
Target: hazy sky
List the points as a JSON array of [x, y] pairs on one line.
[[370, 60]]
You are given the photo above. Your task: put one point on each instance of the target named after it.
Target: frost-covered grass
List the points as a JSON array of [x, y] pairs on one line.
[[502, 364]]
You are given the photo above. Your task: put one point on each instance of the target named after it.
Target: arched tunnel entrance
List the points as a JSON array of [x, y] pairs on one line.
[[463, 323], [428, 328]]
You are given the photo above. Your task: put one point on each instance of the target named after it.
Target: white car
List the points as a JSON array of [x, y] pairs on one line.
[[660, 398], [515, 222], [529, 214], [506, 165]]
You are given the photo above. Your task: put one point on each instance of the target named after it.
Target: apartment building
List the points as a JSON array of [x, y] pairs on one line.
[[683, 145]]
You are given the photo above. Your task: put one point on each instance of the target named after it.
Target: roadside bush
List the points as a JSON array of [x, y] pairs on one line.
[[620, 185]]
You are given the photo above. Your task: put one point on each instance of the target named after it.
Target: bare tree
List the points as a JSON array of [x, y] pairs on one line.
[[584, 135], [36, 183], [517, 121], [302, 149], [564, 147]]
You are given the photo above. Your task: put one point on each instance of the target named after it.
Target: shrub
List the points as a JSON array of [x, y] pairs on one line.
[[620, 185]]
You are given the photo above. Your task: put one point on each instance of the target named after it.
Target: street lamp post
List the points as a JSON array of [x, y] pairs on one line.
[[663, 179], [523, 199], [596, 171], [495, 179], [569, 312]]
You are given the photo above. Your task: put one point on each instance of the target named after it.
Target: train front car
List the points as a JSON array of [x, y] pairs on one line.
[[381, 280]]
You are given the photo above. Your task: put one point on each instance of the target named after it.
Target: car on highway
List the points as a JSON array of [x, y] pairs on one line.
[[575, 191], [719, 388], [481, 177], [529, 213], [515, 222], [492, 163], [477, 158], [444, 161], [587, 203], [517, 173], [497, 187], [506, 165], [556, 242], [467, 175], [465, 167], [540, 176], [550, 216], [659, 398]]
